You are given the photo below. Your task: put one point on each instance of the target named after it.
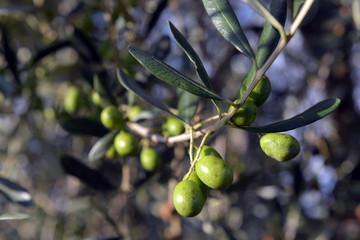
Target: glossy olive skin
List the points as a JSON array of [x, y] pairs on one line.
[[260, 93], [133, 112], [150, 159], [204, 189], [214, 172], [188, 199], [281, 147], [111, 117], [72, 100], [245, 115], [174, 126], [206, 151], [125, 144]]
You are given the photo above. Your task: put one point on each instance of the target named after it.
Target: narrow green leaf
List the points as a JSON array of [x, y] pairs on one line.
[[170, 75], [187, 105], [268, 40], [311, 115], [101, 146], [13, 216], [225, 21], [193, 56], [131, 85]]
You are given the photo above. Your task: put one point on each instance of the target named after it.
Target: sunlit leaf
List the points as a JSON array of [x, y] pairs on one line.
[[187, 105], [170, 75], [311, 115], [13, 216], [225, 21], [15, 193], [101, 146]]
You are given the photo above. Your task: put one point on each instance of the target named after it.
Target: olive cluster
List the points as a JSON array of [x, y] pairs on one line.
[[281, 147], [211, 172]]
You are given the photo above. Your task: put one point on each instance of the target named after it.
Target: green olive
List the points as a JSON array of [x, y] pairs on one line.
[[245, 115], [208, 151], [281, 147], [134, 112], [111, 152], [150, 159], [261, 92], [188, 199], [214, 172], [125, 144], [111, 117], [95, 98], [72, 100], [204, 189], [173, 126]]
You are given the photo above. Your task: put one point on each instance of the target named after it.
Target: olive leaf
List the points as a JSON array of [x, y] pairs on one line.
[[15, 193], [193, 56], [170, 75], [225, 21], [101, 146], [311, 115], [13, 216], [187, 105], [297, 5], [83, 126], [268, 41]]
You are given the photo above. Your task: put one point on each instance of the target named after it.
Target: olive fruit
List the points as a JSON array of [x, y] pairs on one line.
[[150, 159], [95, 98], [204, 189], [111, 117], [261, 92], [173, 126], [72, 100], [125, 144], [134, 112], [281, 147], [245, 115], [206, 151], [214, 172], [111, 152], [188, 199]]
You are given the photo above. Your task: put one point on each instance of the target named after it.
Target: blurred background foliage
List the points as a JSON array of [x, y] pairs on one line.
[[49, 46]]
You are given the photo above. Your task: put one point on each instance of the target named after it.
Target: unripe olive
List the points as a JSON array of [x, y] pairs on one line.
[[245, 115], [95, 98], [134, 112], [204, 189], [261, 92], [150, 159], [281, 147], [72, 100], [125, 144], [111, 152], [173, 126], [214, 172], [208, 151], [111, 117], [188, 199]]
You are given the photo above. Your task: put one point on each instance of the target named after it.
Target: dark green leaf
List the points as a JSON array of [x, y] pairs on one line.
[[101, 146], [155, 16], [268, 40], [192, 55], [91, 177], [13, 216], [15, 193], [102, 91], [132, 85], [170, 75], [297, 5], [187, 105], [311, 115], [83, 126], [225, 21]]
